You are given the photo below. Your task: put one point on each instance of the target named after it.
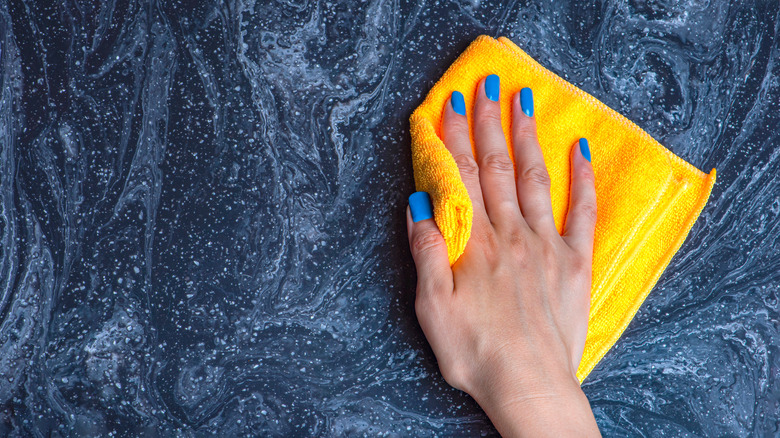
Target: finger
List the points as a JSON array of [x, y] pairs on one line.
[[581, 218], [533, 181], [428, 248], [496, 171], [455, 134]]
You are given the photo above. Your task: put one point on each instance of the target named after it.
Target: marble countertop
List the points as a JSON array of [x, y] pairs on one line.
[[202, 213]]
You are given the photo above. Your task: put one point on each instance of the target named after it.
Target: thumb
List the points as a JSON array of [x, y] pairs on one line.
[[428, 247]]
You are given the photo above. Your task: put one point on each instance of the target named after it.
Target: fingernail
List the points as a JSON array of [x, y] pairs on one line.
[[584, 149], [527, 101], [458, 104], [491, 87], [420, 206]]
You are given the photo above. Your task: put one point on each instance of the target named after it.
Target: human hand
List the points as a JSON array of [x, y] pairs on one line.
[[507, 322]]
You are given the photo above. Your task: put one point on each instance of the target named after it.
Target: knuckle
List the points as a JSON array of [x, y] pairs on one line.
[[466, 164], [486, 243], [587, 176], [522, 245], [490, 117], [459, 124], [535, 175], [518, 242], [426, 241], [497, 162], [484, 236], [549, 254], [581, 265], [587, 210], [525, 129]]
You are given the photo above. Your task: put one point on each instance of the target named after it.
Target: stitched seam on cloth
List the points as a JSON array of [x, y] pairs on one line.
[[602, 345], [627, 245], [658, 212], [653, 279]]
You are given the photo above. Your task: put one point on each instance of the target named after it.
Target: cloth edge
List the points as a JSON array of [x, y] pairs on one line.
[[584, 370]]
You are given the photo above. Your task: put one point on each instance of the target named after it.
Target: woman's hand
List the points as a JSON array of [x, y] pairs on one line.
[[508, 320]]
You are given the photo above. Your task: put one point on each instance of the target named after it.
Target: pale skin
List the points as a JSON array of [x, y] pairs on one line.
[[507, 322]]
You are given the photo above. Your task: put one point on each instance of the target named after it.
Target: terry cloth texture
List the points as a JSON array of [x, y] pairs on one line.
[[648, 198]]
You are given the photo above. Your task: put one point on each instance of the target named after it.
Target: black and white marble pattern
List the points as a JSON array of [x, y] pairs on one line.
[[202, 213]]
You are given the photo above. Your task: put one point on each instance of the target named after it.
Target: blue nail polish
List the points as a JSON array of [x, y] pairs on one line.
[[527, 101], [584, 148], [492, 83], [458, 104], [420, 206]]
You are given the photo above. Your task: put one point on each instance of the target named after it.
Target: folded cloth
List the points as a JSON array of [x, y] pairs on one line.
[[647, 197]]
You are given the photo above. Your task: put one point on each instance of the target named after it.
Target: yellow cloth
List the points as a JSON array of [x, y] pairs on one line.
[[648, 198]]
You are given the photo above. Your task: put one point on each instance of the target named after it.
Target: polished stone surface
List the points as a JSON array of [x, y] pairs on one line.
[[201, 213]]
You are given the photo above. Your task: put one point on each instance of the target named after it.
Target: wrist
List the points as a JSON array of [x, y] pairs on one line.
[[508, 376], [524, 386], [541, 396], [544, 414]]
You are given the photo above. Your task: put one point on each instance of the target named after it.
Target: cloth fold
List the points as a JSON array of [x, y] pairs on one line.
[[648, 198]]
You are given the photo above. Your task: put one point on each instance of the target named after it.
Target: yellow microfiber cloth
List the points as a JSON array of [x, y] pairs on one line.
[[648, 198]]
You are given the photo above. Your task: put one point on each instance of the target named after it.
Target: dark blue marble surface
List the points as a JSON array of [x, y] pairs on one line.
[[201, 213]]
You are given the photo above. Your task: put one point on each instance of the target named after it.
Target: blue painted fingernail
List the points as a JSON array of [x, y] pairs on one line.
[[421, 207], [527, 101], [458, 104], [492, 83], [584, 148]]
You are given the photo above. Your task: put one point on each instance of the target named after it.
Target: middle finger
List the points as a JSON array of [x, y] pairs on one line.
[[496, 170]]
